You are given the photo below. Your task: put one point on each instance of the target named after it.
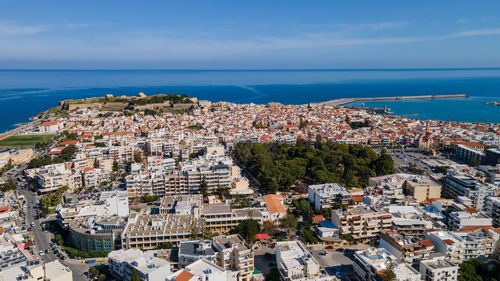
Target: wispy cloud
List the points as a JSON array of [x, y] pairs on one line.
[[151, 45], [85, 24], [371, 26], [13, 29], [478, 32]]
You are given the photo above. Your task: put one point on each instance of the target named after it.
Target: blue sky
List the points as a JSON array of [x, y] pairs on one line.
[[249, 34]]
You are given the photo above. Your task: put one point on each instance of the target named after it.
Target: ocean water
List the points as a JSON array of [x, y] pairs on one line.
[[25, 93]]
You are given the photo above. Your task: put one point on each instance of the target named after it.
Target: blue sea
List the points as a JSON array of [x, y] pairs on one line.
[[25, 93]]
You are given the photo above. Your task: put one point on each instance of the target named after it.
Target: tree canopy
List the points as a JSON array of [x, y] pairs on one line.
[[247, 229], [66, 155], [277, 166]]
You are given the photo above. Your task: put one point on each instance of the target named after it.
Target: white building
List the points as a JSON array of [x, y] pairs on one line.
[[324, 195], [462, 185], [369, 264], [438, 269], [460, 246], [147, 265], [50, 127], [116, 203], [235, 255], [202, 270], [56, 271], [459, 220], [492, 210], [296, 263]]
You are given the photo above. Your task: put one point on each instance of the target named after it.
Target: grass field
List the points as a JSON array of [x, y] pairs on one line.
[[26, 140]]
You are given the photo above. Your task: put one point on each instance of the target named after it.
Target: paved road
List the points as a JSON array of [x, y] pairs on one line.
[[42, 240]]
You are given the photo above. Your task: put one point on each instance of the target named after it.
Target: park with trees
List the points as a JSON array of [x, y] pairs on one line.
[[278, 166]]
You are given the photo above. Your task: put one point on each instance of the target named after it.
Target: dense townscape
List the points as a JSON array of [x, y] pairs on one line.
[[172, 188]]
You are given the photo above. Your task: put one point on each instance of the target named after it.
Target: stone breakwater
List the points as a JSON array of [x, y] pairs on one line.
[[343, 101]]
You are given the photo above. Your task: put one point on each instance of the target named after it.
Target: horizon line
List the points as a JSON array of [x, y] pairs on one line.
[[254, 69]]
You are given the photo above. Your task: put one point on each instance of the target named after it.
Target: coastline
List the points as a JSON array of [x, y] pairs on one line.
[[333, 102]]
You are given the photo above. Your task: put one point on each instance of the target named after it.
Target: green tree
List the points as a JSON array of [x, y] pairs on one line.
[[247, 229], [308, 235], [289, 222], [388, 274], [101, 277], [116, 168], [9, 185], [93, 272], [269, 227], [347, 237], [224, 191], [204, 186], [384, 164], [137, 157], [134, 276]]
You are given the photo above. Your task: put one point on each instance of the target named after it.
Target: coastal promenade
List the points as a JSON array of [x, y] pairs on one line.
[[343, 101]]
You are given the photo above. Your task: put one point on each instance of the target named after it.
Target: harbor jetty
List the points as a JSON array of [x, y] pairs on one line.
[[343, 101], [493, 103]]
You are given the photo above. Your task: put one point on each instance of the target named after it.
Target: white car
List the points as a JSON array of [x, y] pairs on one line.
[[41, 253]]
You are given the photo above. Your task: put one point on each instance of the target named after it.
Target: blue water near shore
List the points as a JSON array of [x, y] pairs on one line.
[[25, 93]]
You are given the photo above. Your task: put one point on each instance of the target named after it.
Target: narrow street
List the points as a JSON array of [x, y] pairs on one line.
[[42, 240]]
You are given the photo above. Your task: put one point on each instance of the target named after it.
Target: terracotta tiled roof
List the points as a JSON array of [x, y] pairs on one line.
[[449, 241], [318, 218], [50, 123], [184, 276], [427, 243], [273, 203]]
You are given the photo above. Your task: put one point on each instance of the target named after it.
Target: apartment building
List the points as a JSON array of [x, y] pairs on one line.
[[294, 262], [461, 246], [215, 176], [468, 154], [492, 156], [146, 264], [362, 221], [492, 210], [438, 269], [406, 249], [463, 185], [420, 187], [122, 154], [94, 177], [202, 270], [191, 251], [461, 220], [176, 183], [150, 231], [235, 255], [52, 177], [371, 263], [182, 204], [409, 220], [323, 196], [220, 218]]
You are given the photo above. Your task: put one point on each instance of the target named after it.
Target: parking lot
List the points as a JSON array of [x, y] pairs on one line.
[[335, 262]]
